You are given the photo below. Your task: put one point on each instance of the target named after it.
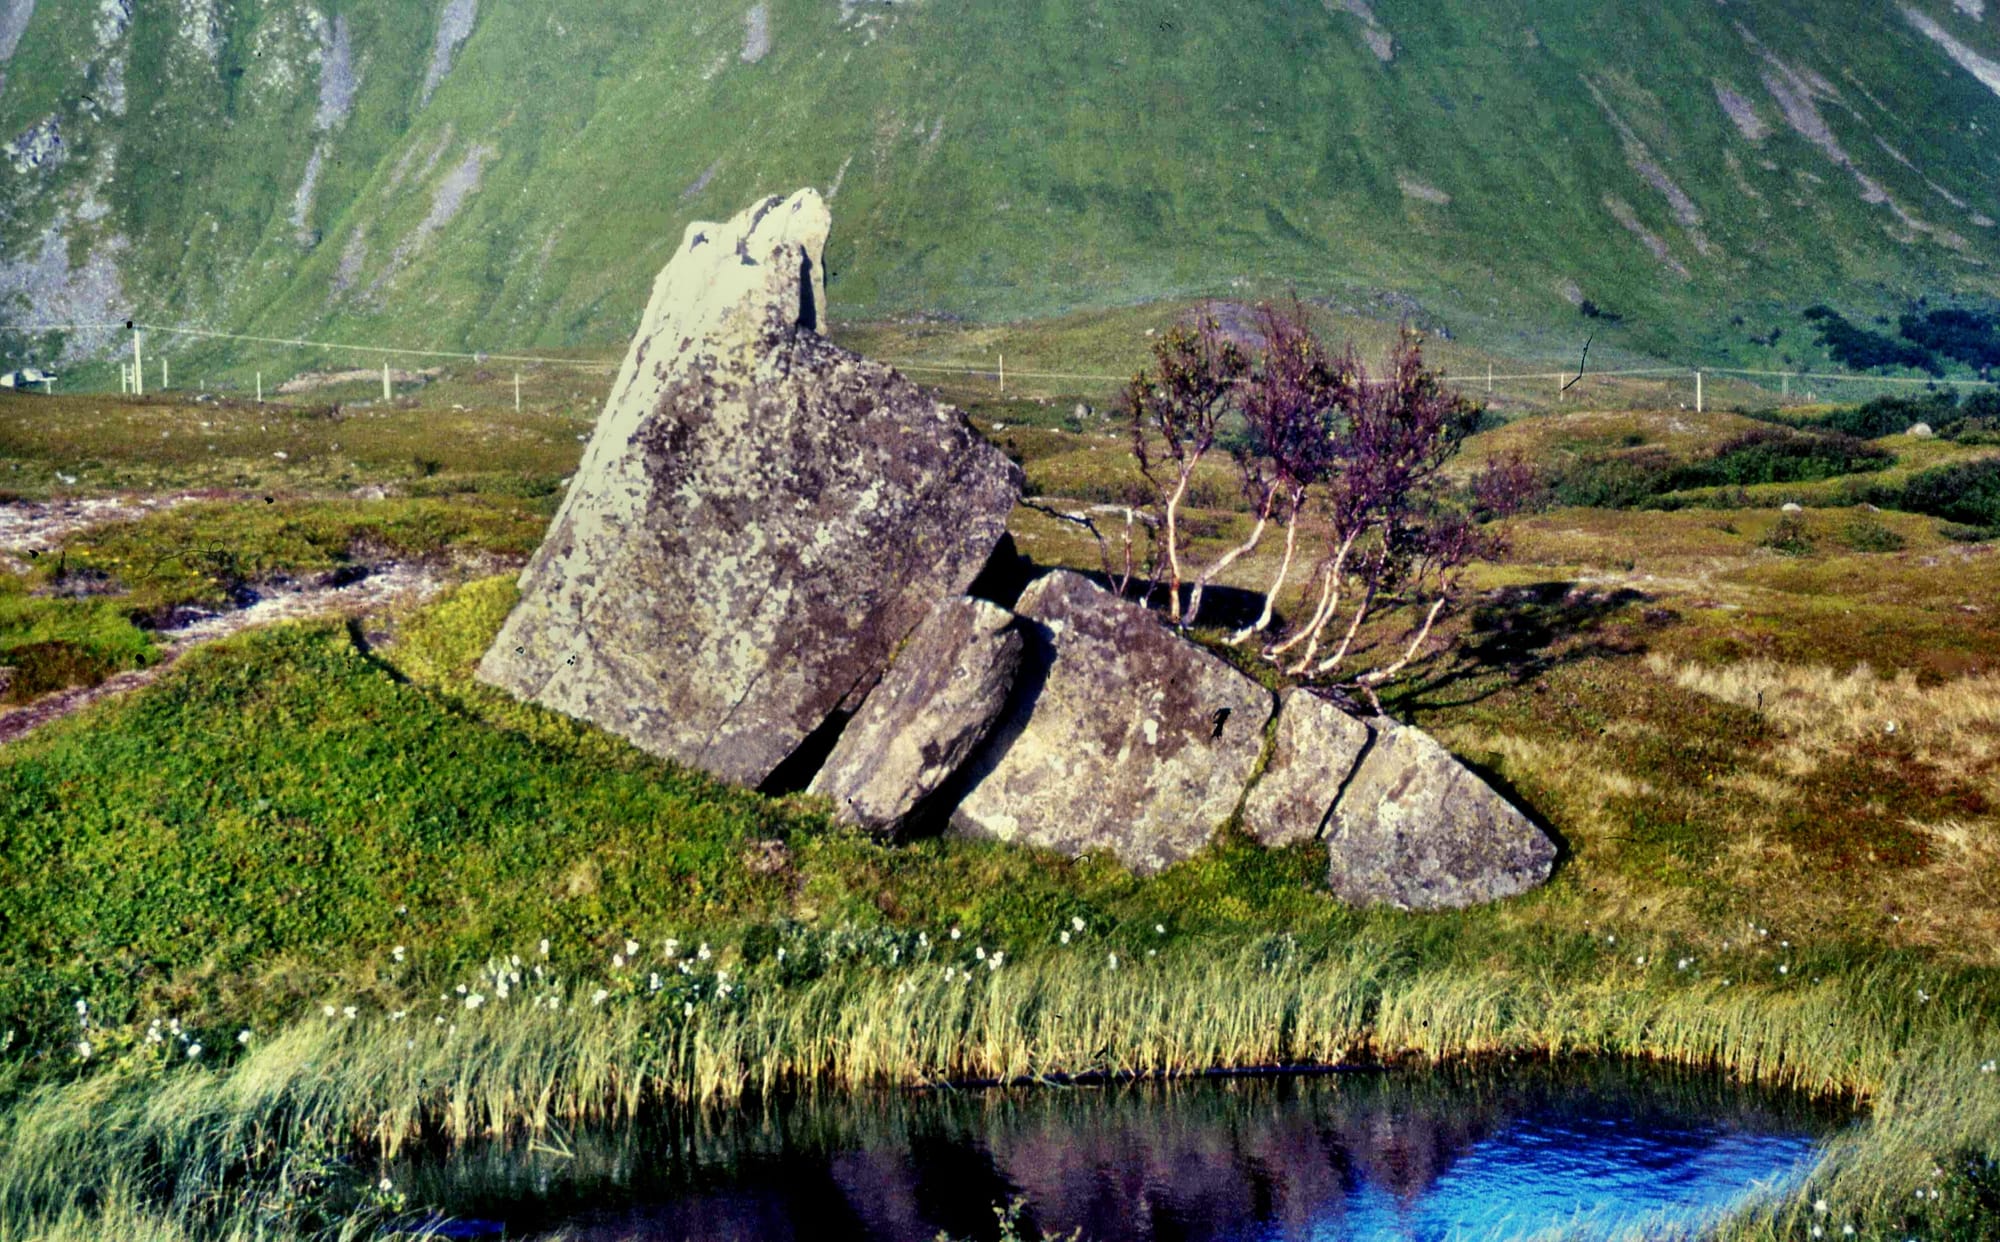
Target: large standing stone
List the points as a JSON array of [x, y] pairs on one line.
[[937, 702], [1418, 831], [1123, 736], [1317, 747], [759, 520]]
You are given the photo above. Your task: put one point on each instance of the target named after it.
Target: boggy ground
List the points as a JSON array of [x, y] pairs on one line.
[[1770, 757]]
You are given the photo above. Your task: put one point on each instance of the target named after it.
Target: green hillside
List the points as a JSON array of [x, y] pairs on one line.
[[491, 176]]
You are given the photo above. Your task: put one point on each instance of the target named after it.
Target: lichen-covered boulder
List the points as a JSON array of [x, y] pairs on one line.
[[1415, 829], [1316, 749], [937, 702], [759, 519], [1122, 735]]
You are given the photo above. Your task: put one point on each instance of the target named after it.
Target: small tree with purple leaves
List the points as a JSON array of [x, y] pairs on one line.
[[1349, 466]]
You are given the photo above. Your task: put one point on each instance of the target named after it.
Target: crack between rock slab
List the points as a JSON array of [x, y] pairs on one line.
[[1361, 757]]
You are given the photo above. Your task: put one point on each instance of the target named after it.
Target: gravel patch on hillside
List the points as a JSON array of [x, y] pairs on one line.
[[40, 275], [28, 526], [1987, 71], [338, 79], [756, 33], [14, 15], [1622, 212], [390, 585], [454, 27], [1744, 113]]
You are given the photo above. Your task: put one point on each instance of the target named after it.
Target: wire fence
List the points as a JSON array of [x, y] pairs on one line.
[[1687, 385]]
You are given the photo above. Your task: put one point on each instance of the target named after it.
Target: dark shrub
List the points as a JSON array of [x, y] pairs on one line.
[[1612, 480], [1777, 455], [1893, 415], [1967, 494], [1864, 350], [1971, 337]]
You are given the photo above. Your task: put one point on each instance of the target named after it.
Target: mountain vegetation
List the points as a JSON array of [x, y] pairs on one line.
[[1684, 179]]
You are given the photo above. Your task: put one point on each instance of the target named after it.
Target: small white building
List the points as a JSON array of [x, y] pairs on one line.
[[24, 379]]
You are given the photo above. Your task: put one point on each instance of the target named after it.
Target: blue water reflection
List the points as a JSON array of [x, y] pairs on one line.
[[1501, 1153]]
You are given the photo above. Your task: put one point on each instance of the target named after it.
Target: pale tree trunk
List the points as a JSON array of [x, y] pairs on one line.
[[1174, 542], [1347, 641], [1329, 600], [1228, 558], [1263, 621], [1380, 675]]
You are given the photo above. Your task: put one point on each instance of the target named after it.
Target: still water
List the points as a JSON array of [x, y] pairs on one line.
[[1504, 1152]]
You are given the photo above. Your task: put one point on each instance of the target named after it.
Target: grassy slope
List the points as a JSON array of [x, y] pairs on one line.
[[1002, 162]]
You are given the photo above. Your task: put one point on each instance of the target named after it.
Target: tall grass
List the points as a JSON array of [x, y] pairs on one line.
[[178, 1139]]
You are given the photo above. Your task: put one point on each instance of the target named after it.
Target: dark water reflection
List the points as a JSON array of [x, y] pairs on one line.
[[1498, 1152]]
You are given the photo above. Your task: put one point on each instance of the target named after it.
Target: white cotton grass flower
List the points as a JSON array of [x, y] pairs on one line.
[[1076, 924], [349, 1012], [398, 952], [474, 1000], [83, 1049], [1113, 959], [954, 933], [673, 948], [1784, 969], [599, 996], [544, 946], [980, 953], [1159, 929], [1819, 1205], [385, 1185], [617, 961], [631, 948], [243, 1036], [993, 963], [703, 952], [687, 1009], [328, 1010], [1065, 937], [194, 1052], [1990, 1067]]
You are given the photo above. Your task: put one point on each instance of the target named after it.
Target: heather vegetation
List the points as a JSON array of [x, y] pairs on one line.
[[315, 897]]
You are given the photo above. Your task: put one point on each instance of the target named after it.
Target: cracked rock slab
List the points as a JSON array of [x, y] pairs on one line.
[[1122, 736], [759, 520], [1417, 830], [1317, 748], [937, 702]]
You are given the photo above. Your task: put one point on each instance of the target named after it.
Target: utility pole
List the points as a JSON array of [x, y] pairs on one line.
[[163, 372], [1697, 392], [1003, 373], [138, 364], [386, 394], [260, 388], [1489, 379], [517, 392]]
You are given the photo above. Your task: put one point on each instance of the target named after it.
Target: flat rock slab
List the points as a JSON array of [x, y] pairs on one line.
[[1415, 829], [938, 701], [1122, 735], [1318, 746], [758, 521]]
